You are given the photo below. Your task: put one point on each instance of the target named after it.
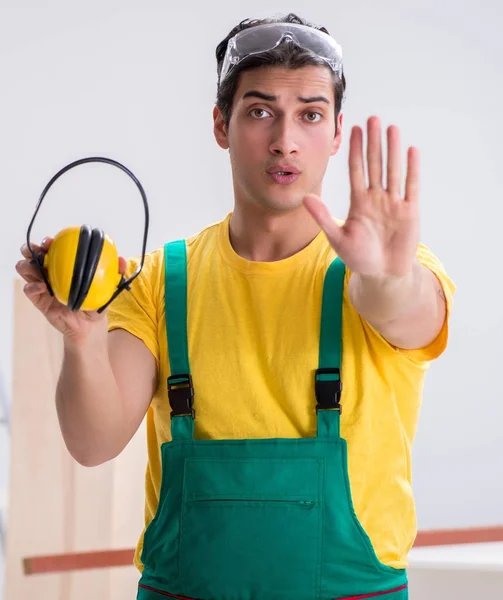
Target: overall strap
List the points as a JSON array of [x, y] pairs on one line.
[[180, 388], [328, 384]]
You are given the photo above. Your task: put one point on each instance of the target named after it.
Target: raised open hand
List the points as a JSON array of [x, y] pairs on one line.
[[380, 235]]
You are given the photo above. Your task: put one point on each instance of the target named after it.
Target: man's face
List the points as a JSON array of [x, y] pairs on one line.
[[281, 135]]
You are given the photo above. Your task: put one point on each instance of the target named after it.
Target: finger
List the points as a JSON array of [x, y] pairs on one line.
[[412, 179], [38, 296], [394, 170], [28, 271], [322, 216], [37, 249], [374, 152], [356, 168], [25, 251], [122, 265], [35, 291], [46, 242]]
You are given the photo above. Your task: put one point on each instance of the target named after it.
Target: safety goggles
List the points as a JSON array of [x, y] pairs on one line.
[[262, 38]]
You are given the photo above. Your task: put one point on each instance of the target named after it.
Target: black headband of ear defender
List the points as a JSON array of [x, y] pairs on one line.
[[124, 284]]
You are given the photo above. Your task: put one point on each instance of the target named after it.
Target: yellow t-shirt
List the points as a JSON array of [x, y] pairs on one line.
[[253, 335]]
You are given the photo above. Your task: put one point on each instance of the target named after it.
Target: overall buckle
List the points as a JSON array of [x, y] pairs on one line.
[[328, 391], [181, 395]]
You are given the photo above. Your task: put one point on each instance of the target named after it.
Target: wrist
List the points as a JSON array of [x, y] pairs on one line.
[[94, 339], [384, 298], [400, 279]]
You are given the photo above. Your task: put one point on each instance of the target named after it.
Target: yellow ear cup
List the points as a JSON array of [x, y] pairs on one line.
[[106, 278], [60, 262]]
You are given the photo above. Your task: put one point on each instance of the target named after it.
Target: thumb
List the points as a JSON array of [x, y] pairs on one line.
[[322, 216]]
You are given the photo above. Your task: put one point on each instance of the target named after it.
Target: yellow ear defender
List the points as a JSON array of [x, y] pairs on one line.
[[81, 266]]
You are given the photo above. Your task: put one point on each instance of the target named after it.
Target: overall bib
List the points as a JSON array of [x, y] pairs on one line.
[[260, 519]]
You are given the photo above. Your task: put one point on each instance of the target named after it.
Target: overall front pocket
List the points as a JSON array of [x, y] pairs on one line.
[[250, 526]]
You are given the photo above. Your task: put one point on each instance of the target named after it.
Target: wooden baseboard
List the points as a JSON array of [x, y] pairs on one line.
[[58, 563], [74, 561], [448, 537]]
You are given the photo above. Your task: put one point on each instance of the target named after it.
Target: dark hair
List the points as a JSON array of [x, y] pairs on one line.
[[285, 55]]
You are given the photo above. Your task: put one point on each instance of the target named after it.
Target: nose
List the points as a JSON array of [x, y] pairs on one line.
[[283, 141]]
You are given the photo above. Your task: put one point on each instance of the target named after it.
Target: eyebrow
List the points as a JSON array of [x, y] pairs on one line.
[[270, 98]]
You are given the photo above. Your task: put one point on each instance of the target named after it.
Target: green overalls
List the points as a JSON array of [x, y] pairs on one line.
[[261, 519]]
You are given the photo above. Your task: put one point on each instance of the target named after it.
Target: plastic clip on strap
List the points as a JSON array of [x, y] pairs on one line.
[[328, 389], [181, 395]]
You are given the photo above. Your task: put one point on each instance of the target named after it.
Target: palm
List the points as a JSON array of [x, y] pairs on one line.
[[73, 324], [381, 232]]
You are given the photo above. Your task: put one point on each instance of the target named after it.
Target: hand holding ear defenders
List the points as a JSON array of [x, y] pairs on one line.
[[81, 267]]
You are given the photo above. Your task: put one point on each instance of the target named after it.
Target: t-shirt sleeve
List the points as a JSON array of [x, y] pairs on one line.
[[439, 344], [137, 310]]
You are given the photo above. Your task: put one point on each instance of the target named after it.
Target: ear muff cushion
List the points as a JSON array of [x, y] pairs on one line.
[[93, 258], [79, 266]]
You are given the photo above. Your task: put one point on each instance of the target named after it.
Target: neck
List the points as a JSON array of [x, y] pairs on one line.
[[258, 235]]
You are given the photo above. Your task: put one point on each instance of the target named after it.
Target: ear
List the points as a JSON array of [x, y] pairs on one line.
[[336, 144], [220, 129]]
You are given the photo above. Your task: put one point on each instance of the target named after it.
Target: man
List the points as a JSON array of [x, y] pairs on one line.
[[278, 355]]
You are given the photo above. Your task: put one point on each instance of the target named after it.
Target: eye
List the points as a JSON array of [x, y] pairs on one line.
[[314, 117], [259, 113]]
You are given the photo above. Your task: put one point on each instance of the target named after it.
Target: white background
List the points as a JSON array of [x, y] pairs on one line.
[[135, 81]]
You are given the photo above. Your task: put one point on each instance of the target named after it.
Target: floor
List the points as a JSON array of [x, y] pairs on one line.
[[463, 572]]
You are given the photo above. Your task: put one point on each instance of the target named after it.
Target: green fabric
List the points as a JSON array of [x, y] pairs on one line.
[[331, 316], [329, 425], [175, 299], [253, 519], [264, 518]]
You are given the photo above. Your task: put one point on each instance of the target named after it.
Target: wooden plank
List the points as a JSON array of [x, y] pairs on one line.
[[58, 507]]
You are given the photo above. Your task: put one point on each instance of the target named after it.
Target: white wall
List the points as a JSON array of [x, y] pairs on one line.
[[136, 82]]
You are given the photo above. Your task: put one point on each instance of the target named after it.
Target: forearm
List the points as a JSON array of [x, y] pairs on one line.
[[88, 401]]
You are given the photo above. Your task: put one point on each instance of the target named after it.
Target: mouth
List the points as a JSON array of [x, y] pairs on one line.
[[284, 174]]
